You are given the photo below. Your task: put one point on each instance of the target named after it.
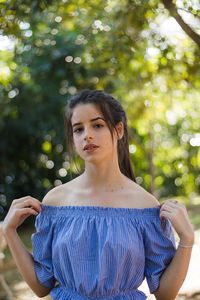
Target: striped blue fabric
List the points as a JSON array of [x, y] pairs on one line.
[[96, 252]]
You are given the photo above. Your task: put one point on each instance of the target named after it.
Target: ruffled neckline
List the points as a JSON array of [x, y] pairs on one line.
[[99, 210]]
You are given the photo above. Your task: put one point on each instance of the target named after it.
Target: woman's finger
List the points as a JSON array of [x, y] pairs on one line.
[[29, 203], [170, 206], [19, 200], [166, 215], [26, 211]]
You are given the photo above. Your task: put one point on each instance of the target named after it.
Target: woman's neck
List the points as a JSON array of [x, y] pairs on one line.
[[104, 178]]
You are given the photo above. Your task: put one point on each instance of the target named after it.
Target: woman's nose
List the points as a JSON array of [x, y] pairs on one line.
[[88, 135]]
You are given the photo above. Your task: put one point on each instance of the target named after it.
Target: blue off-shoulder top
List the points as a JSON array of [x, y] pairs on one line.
[[96, 252]]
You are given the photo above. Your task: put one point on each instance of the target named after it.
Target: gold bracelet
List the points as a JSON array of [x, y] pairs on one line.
[[185, 246]]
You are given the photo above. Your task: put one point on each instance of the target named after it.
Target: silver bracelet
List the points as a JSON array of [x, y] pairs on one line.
[[185, 246]]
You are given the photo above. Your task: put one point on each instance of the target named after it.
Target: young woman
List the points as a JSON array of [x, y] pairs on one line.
[[99, 235]]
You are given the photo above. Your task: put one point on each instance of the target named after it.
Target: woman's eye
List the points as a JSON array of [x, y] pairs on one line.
[[78, 130], [98, 125]]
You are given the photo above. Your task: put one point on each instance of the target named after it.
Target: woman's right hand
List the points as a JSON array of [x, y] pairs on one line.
[[19, 211]]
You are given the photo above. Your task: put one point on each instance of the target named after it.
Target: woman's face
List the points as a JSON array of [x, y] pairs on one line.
[[89, 128]]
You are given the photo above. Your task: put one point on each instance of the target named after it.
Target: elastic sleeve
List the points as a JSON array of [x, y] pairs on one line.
[[42, 250], [160, 248]]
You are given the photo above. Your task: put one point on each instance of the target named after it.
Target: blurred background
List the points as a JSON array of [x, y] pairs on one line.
[[145, 53]]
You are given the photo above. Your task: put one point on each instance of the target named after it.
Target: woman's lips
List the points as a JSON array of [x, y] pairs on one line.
[[90, 146], [90, 150]]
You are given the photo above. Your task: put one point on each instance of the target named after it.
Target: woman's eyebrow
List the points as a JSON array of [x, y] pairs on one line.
[[75, 124]]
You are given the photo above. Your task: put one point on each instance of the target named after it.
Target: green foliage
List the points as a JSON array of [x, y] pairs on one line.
[[61, 47]]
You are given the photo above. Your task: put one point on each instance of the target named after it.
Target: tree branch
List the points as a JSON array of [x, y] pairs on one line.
[[187, 11], [188, 30]]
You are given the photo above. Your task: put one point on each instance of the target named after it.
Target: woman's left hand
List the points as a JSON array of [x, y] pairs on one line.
[[177, 214]]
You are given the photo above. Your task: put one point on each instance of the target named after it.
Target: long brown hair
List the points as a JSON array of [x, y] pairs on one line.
[[113, 113]]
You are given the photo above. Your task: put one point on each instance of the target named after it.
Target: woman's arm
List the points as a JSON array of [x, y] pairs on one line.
[[20, 209], [173, 277], [25, 263]]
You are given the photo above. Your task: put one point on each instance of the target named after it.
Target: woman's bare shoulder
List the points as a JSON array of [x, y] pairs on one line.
[[59, 194], [145, 198]]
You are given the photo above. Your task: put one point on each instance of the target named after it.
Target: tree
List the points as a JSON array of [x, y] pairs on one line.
[[118, 46]]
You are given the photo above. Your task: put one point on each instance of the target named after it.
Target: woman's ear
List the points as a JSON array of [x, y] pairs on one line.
[[120, 130]]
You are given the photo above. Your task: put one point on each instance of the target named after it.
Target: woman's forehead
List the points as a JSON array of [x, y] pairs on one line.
[[85, 111]]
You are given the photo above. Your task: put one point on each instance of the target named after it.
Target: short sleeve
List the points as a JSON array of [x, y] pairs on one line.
[[42, 250], [160, 248]]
